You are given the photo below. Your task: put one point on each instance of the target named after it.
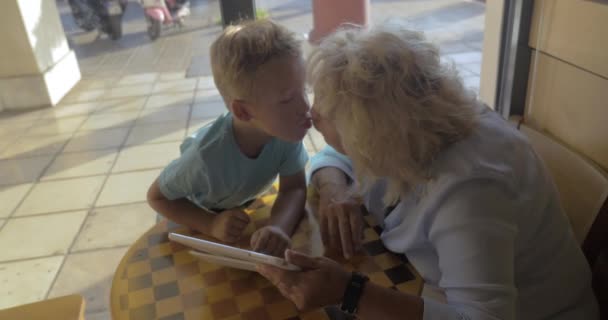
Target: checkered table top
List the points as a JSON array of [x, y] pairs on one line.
[[159, 279]]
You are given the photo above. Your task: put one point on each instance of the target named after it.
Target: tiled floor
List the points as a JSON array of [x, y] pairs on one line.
[[73, 178]]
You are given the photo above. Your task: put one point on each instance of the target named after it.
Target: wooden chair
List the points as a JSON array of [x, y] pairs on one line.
[[62, 308], [583, 191]]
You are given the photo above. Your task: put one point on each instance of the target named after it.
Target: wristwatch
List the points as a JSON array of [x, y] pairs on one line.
[[352, 294]]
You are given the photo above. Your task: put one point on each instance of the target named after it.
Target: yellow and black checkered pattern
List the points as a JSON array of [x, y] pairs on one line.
[[159, 279]]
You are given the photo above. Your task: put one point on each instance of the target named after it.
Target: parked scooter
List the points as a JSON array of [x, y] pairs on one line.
[[164, 12], [105, 15], [83, 14]]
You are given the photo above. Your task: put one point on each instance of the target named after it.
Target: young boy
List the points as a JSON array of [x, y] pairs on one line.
[[259, 71]]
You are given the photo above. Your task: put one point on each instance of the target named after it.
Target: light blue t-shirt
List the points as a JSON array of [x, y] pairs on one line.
[[213, 173]]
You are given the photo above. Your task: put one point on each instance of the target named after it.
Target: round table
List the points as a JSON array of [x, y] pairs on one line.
[[159, 279]]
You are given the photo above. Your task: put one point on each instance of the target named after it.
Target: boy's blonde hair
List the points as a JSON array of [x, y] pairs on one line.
[[395, 105], [242, 49]]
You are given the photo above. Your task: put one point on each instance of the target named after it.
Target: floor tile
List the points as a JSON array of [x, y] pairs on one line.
[[453, 47], [10, 196], [477, 45], [179, 113], [100, 83], [32, 146], [86, 95], [10, 129], [157, 132], [465, 57], [114, 226], [99, 139], [27, 281], [170, 76], [120, 105], [473, 67], [464, 73], [196, 124], [79, 164], [17, 171], [89, 274], [471, 83], [138, 78], [22, 116], [137, 90], [110, 120], [103, 315], [210, 109], [169, 100], [147, 156], [45, 235], [127, 187], [207, 95], [56, 126], [206, 83], [61, 195], [65, 110], [184, 85]]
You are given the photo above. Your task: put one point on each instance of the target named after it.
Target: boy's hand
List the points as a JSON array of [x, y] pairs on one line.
[[270, 240], [228, 226]]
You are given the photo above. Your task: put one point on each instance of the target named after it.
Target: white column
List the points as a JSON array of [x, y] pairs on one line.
[[37, 68]]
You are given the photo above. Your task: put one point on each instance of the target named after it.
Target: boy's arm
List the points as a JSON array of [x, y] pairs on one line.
[[289, 205], [226, 226]]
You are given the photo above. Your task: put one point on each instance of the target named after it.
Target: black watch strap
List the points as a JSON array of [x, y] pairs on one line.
[[352, 294]]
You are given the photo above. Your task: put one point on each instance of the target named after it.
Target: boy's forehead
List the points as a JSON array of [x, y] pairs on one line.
[[282, 73]]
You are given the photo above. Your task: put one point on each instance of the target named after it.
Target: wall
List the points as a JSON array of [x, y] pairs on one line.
[[568, 81], [491, 51]]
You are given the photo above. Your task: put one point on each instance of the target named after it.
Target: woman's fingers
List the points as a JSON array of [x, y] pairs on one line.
[[356, 227], [271, 244], [262, 242], [282, 279], [273, 274], [255, 238], [324, 225], [345, 234], [301, 260], [334, 232], [279, 248]]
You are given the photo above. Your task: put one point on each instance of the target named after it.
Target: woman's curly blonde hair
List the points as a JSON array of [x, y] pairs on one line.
[[393, 102]]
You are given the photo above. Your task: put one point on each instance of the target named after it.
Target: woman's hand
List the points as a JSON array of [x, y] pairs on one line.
[[340, 219], [320, 283]]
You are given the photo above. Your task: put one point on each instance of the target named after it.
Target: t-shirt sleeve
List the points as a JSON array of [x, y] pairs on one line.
[[185, 176], [329, 157], [473, 232], [295, 159]]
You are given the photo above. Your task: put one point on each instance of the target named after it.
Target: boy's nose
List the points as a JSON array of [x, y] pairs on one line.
[[304, 106]]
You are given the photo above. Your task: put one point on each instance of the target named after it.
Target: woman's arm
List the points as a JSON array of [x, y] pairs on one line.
[[377, 302], [473, 232], [323, 282], [339, 214]]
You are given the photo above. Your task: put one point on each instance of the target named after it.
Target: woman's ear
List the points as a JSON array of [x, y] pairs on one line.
[[240, 109]]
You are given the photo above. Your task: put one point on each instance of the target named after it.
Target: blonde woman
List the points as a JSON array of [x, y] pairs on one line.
[[459, 191]]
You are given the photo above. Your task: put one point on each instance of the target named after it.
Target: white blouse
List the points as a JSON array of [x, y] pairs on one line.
[[488, 230]]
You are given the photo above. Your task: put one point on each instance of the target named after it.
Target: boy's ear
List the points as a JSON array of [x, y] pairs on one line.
[[240, 109]]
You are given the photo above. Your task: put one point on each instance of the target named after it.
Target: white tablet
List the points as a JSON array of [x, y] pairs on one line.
[[225, 261], [224, 251]]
